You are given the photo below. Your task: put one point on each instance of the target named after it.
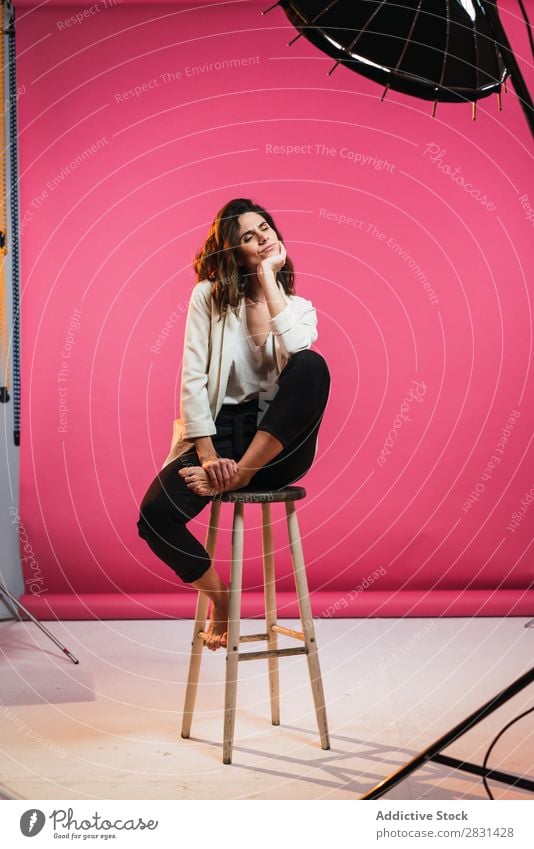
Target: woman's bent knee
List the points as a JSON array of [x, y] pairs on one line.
[[309, 359], [311, 370]]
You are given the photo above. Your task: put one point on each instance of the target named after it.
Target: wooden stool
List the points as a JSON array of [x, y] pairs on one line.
[[239, 498]]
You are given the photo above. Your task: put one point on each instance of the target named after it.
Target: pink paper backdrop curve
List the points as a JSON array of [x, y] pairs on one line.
[[412, 236]]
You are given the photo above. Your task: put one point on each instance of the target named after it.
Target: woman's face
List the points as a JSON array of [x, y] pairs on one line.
[[256, 240]]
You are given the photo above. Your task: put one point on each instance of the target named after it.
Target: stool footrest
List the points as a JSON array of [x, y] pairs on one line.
[[257, 655], [288, 632], [252, 638], [244, 638]]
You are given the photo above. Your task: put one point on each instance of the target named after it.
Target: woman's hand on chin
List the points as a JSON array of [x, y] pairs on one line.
[[274, 261]]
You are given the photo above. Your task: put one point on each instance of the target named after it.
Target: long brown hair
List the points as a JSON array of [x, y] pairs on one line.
[[216, 260]]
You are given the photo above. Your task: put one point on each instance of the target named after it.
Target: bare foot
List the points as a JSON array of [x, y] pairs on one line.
[[197, 479], [216, 632]]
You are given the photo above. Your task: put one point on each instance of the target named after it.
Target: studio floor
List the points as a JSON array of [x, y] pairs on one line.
[[109, 728]]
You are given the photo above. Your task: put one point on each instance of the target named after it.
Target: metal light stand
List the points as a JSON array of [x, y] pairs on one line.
[[520, 85], [433, 752], [7, 17], [15, 603]]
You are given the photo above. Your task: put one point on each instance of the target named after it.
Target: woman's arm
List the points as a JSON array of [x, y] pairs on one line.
[[194, 402], [296, 326], [204, 448], [195, 410], [294, 322]]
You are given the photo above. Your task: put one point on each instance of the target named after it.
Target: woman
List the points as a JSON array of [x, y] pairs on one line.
[[252, 395]]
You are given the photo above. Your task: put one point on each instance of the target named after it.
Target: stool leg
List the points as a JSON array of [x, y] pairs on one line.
[[197, 644], [301, 583], [269, 581], [234, 620]]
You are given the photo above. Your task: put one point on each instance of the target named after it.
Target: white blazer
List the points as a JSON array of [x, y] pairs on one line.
[[208, 356]]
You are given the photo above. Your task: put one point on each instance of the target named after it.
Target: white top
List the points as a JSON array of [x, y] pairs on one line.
[[208, 354], [253, 371]]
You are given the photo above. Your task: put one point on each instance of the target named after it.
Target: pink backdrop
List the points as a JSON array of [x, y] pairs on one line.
[[137, 122]]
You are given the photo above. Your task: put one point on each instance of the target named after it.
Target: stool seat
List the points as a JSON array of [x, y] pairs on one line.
[[251, 496]]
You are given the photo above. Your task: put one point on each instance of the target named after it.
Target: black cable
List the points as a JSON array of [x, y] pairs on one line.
[[14, 203], [492, 744], [527, 24]]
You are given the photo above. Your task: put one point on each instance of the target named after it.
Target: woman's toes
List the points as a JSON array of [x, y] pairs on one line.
[[200, 488], [196, 478], [214, 642]]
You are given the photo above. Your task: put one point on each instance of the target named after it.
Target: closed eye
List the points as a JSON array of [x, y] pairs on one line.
[[264, 226]]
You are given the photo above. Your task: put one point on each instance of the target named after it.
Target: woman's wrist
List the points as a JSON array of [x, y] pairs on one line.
[[265, 275], [205, 448], [205, 457]]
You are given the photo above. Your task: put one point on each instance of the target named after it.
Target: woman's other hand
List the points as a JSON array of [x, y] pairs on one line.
[[220, 470]]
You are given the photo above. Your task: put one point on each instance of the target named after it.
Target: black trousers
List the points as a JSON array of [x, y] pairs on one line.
[[293, 417]]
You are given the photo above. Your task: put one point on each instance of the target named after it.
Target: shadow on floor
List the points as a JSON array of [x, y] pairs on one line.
[[332, 770]]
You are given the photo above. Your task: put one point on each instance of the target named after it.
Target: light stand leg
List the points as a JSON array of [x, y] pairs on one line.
[[11, 607], [48, 633], [432, 752]]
